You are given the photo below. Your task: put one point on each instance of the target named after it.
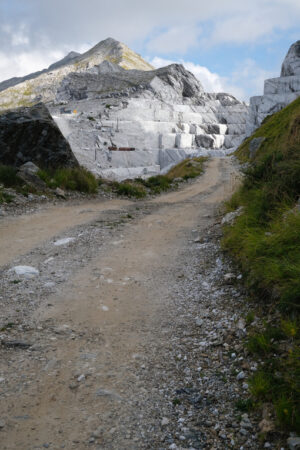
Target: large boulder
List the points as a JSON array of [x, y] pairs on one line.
[[30, 134], [291, 63]]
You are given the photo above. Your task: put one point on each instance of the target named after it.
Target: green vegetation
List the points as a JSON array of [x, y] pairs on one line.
[[244, 405], [74, 179], [5, 198], [156, 184], [190, 168], [9, 177], [265, 242], [130, 189]]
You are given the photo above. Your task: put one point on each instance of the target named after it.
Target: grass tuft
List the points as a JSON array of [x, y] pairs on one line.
[[129, 189], [8, 176], [73, 179]]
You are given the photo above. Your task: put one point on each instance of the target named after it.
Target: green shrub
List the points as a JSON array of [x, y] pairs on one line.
[[259, 343], [157, 183], [5, 198], [8, 176], [261, 384], [244, 405], [74, 179], [189, 168], [129, 189]]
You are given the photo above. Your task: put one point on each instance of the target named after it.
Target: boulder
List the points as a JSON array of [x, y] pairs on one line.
[[294, 443], [25, 271], [254, 145], [28, 173], [30, 135]]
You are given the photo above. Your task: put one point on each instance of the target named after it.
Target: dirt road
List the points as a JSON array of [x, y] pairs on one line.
[[98, 315]]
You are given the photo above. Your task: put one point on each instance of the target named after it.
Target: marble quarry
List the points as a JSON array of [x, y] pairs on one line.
[[278, 92], [130, 123], [124, 119]]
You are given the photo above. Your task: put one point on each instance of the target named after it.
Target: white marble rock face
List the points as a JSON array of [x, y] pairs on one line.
[[164, 115], [278, 92]]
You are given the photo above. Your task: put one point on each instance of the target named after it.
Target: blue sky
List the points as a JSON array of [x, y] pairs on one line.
[[230, 46]]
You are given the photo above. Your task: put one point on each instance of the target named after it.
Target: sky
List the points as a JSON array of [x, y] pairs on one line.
[[231, 46]]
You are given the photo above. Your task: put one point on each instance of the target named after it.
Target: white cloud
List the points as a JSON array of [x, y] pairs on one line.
[[176, 39], [251, 77], [24, 63], [18, 36]]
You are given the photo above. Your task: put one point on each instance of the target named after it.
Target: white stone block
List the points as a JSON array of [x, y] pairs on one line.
[[184, 140], [168, 140]]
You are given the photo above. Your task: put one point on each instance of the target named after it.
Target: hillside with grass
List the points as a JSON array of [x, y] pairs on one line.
[[264, 240]]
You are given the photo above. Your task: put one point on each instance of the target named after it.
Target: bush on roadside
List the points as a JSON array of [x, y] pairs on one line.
[[9, 177], [129, 189], [73, 179]]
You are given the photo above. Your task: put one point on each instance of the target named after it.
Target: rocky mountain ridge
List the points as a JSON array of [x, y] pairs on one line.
[[42, 85]]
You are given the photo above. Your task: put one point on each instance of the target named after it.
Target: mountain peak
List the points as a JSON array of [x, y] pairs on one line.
[[116, 52]]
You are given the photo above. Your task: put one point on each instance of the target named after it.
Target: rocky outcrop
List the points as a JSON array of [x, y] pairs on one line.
[[291, 64], [163, 114], [278, 92], [171, 83], [31, 135]]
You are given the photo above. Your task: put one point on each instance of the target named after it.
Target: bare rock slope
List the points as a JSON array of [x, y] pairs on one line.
[[278, 92]]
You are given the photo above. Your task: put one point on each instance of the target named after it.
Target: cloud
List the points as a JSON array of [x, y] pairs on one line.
[[250, 76], [17, 37], [26, 62], [166, 23], [185, 38]]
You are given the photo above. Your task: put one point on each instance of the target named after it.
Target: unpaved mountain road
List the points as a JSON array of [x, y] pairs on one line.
[[127, 326]]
